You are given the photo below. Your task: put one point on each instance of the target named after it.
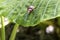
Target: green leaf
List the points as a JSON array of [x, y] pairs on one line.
[[16, 10]]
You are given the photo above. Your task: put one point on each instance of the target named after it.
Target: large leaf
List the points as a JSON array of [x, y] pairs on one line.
[[16, 10]]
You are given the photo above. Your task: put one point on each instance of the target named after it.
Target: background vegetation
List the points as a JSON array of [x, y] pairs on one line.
[[24, 25]]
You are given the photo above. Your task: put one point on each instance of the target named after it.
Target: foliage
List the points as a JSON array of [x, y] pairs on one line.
[[16, 11]]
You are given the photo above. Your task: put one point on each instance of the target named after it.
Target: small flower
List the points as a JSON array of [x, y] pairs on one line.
[[50, 29]]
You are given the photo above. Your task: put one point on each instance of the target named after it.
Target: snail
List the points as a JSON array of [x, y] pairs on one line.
[[30, 9]]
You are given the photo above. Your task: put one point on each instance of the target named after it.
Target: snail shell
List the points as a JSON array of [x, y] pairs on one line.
[[30, 9]]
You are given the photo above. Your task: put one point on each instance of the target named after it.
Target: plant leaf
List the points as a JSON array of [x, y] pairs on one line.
[[16, 10]]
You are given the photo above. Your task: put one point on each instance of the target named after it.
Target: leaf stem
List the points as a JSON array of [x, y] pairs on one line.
[[2, 28], [14, 31]]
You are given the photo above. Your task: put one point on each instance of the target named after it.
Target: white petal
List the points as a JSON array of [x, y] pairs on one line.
[[49, 29]]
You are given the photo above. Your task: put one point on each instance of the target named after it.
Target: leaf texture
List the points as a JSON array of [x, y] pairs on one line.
[[16, 10]]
